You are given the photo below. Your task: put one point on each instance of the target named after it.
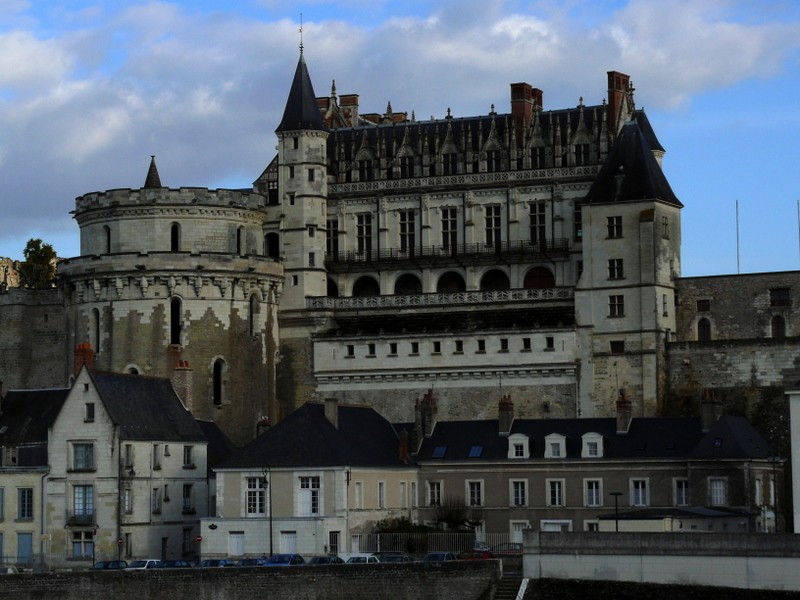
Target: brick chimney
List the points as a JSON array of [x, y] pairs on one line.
[[348, 104], [522, 105], [505, 415], [711, 409], [424, 416], [183, 382], [403, 451], [332, 411], [84, 355], [618, 88], [624, 412]]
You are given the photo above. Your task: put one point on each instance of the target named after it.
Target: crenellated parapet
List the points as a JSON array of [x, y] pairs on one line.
[[184, 196]]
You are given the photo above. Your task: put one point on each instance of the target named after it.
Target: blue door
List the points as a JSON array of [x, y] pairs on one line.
[[24, 548]]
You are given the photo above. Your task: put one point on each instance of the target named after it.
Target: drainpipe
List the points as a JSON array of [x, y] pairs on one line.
[[42, 518]]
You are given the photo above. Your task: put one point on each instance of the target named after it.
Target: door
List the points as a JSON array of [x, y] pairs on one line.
[[236, 543], [289, 542], [24, 548]]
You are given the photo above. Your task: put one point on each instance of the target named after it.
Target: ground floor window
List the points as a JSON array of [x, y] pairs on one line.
[[82, 544]]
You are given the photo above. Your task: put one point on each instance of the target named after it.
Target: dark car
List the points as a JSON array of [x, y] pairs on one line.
[[438, 557], [507, 548], [252, 562], [330, 559], [398, 557], [214, 563], [475, 554], [175, 564], [284, 560], [109, 565]]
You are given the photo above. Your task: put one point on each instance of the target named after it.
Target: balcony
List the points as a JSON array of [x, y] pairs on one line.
[[418, 256], [80, 518]]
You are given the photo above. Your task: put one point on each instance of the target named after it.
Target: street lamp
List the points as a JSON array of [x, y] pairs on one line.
[[774, 459], [267, 482], [616, 509]]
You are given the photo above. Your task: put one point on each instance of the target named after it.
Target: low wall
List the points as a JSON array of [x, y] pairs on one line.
[[747, 561], [461, 580]]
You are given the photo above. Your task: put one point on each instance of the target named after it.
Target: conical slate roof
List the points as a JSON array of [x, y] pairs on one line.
[[301, 110], [152, 180], [631, 172]]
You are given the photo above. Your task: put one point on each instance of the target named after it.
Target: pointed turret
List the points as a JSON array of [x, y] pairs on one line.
[[152, 180], [301, 112]]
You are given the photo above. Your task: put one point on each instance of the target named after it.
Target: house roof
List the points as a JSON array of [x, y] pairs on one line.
[[145, 408], [307, 439], [301, 110], [646, 438], [220, 447], [631, 172], [26, 415]]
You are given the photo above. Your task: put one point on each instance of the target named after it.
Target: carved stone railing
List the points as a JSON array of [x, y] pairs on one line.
[[443, 299]]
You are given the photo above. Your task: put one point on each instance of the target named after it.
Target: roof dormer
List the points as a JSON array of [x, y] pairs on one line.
[[519, 446], [591, 445], [555, 446]]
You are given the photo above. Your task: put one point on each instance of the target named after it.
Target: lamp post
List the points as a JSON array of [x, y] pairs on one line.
[[773, 459], [268, 483], [616, 509]]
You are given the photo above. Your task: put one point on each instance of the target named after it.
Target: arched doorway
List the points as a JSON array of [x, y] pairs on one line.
[[366, 286], [407, 284], [495, 280], [451, 283], [539, 278]]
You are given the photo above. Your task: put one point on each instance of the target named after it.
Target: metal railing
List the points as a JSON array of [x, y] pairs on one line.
[[420, 543]]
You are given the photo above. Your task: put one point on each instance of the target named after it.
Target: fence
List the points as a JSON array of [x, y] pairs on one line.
[[420, 543]]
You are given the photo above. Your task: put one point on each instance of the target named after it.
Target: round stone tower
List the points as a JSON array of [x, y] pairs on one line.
[[176, 283]]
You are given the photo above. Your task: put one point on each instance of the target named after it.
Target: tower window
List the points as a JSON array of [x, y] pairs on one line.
[[175, 237], [218, 387], [175, 321]]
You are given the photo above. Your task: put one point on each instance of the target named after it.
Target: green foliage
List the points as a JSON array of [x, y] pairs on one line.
[[38, 271], [400, 525]]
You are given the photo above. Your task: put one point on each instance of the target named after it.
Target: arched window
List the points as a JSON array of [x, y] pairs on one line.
[[107, 235], [95, 330], [333, 289], [539, 278], [407, 284], [495, 280], [175, 321], [272, 245], [450, 283], [704, 330], [218, 383], [778, 326], [175, 237], [240, 240], [366, 286]]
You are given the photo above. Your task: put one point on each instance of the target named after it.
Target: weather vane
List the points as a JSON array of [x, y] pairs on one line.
[[301, 33]]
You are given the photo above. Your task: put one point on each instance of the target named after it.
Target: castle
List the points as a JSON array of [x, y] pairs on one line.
[[533, 254]]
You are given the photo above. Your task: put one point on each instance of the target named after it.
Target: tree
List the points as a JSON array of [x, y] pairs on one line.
[[38, 271]]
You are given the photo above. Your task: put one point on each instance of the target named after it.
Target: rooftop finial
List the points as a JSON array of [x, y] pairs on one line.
[[301, 33]]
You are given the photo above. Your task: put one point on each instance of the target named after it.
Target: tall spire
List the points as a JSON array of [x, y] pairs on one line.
[[152, 180], [301, 110]]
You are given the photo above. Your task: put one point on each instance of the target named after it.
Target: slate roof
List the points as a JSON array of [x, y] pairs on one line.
[[647, 438], [145, 408], [220, 448], [152, 180], [307, 439], [26, 417], [631, 172], [301, 110]]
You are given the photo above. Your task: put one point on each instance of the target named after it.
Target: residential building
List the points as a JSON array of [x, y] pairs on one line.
[[308, 484]]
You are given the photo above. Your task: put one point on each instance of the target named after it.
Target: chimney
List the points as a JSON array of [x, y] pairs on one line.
[[711, 409], [522, 105], [505, 417], [403, 450], [348, 103], [262, 426], [428, 413], [332, 411], [618, 87], [84, 355], [182, 382], [624, 412]]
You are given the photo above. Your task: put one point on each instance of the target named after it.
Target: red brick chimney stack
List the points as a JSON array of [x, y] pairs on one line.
[[84, 355], [618, 88], [624, 412], [182, 382], [505, 417]]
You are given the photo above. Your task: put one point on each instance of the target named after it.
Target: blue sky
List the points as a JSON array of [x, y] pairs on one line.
[[89, 90]]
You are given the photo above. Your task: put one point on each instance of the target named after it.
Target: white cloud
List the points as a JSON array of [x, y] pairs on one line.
[[27, 62]]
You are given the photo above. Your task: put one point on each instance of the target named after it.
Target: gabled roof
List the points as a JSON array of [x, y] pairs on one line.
[[646, 438], [631, 172], [220, 447], [301, 110], [28, 414], [145, 408], [307, 439], [731, 437]]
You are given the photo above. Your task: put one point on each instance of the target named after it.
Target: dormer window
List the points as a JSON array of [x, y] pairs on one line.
[[592, 445], [518, 446], [555, 446]]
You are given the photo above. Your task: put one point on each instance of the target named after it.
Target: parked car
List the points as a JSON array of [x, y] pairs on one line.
[[399, 557], [175, 564], [284, 560], [147, 563], [330, 559], [507, 548], [109, 565], [213, 563], [475, 554], [8, 570], [363, 559], [252, 562], [439, 557]]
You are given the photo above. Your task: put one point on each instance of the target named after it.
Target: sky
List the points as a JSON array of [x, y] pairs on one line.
[[89, 90]]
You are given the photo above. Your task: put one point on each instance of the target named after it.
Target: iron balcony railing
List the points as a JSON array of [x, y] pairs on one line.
[[545, 247]]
